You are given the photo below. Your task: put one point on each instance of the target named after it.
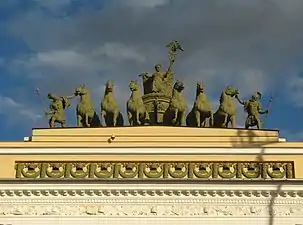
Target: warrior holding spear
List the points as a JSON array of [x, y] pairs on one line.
[[253, 108], [57, 108]]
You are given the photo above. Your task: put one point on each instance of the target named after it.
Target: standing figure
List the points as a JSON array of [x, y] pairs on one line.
[[253, 108], [110, 112], [57, 109]]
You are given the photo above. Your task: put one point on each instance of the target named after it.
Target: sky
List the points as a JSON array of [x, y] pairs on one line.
[[57, 45]]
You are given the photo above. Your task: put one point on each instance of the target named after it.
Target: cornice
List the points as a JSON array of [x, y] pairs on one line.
[[90, 150], [156, 189], [147, 192], [43, 199]]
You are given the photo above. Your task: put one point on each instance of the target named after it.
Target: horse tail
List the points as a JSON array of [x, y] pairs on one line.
[[120, 120], [191, 120], [95, 122]]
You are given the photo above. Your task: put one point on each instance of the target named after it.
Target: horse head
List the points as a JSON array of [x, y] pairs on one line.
[[133, 85], [81, 90], [200, 87], [109, 87], [179, 86], [231, 91]]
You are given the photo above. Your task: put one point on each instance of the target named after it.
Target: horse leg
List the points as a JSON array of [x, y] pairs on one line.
[[103, 120], [225, 122], [115, 117], [138, 117], [174, 120], [203, 121], [147, 119], [183, 118], [130, 118], [79, 121], [86, 120], [198, 118], [211, 120], [233, 121]]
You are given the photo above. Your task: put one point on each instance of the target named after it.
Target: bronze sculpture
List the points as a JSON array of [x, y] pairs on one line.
[[136, 111], [161, 103], [226, 113], [110, 112], [86, 114], [176, 112], [253, 109], [201, 111], [57, 108]]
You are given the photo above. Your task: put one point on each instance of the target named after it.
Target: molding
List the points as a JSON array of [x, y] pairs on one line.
[[212, 189], [150, 151], [170, 200]]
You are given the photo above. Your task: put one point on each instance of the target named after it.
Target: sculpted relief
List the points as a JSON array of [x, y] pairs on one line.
[[162, 103], [152, 210]]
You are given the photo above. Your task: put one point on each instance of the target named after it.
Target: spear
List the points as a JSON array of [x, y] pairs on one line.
[[268, 108], [41, 101]]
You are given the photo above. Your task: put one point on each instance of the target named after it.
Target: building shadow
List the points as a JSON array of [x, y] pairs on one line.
[[247, 139]]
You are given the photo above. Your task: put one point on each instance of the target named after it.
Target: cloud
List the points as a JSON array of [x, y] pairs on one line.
[[53, 4], [17, 111], [142, 3], [250, 44], [295, 85]]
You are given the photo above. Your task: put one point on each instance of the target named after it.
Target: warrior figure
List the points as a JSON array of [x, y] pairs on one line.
[[57, 109], [253, 108]]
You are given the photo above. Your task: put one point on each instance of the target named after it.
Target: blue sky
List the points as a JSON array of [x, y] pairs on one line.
[[56, 45]]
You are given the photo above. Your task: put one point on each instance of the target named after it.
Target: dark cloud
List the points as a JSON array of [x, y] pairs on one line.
[[250, 44]]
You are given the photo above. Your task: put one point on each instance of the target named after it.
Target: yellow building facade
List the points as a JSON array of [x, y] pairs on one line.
[[151, 175]]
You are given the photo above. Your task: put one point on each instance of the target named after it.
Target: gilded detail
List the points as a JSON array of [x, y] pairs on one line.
[[199, 170]]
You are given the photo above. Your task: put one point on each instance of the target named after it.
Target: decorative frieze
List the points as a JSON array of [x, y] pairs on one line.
[[152, 210], [200, 170], [43, 199]]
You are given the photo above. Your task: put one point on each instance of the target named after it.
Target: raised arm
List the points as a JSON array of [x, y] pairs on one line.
[[70, 96], [239, 100]]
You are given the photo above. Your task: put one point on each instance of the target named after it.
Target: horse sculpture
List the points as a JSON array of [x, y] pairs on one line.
[[136, 111], [86, 114], [176, 112], [201, 110], [226, 112], [110, 112]]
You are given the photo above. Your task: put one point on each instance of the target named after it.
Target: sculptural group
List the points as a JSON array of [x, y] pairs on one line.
[[162, 103]]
